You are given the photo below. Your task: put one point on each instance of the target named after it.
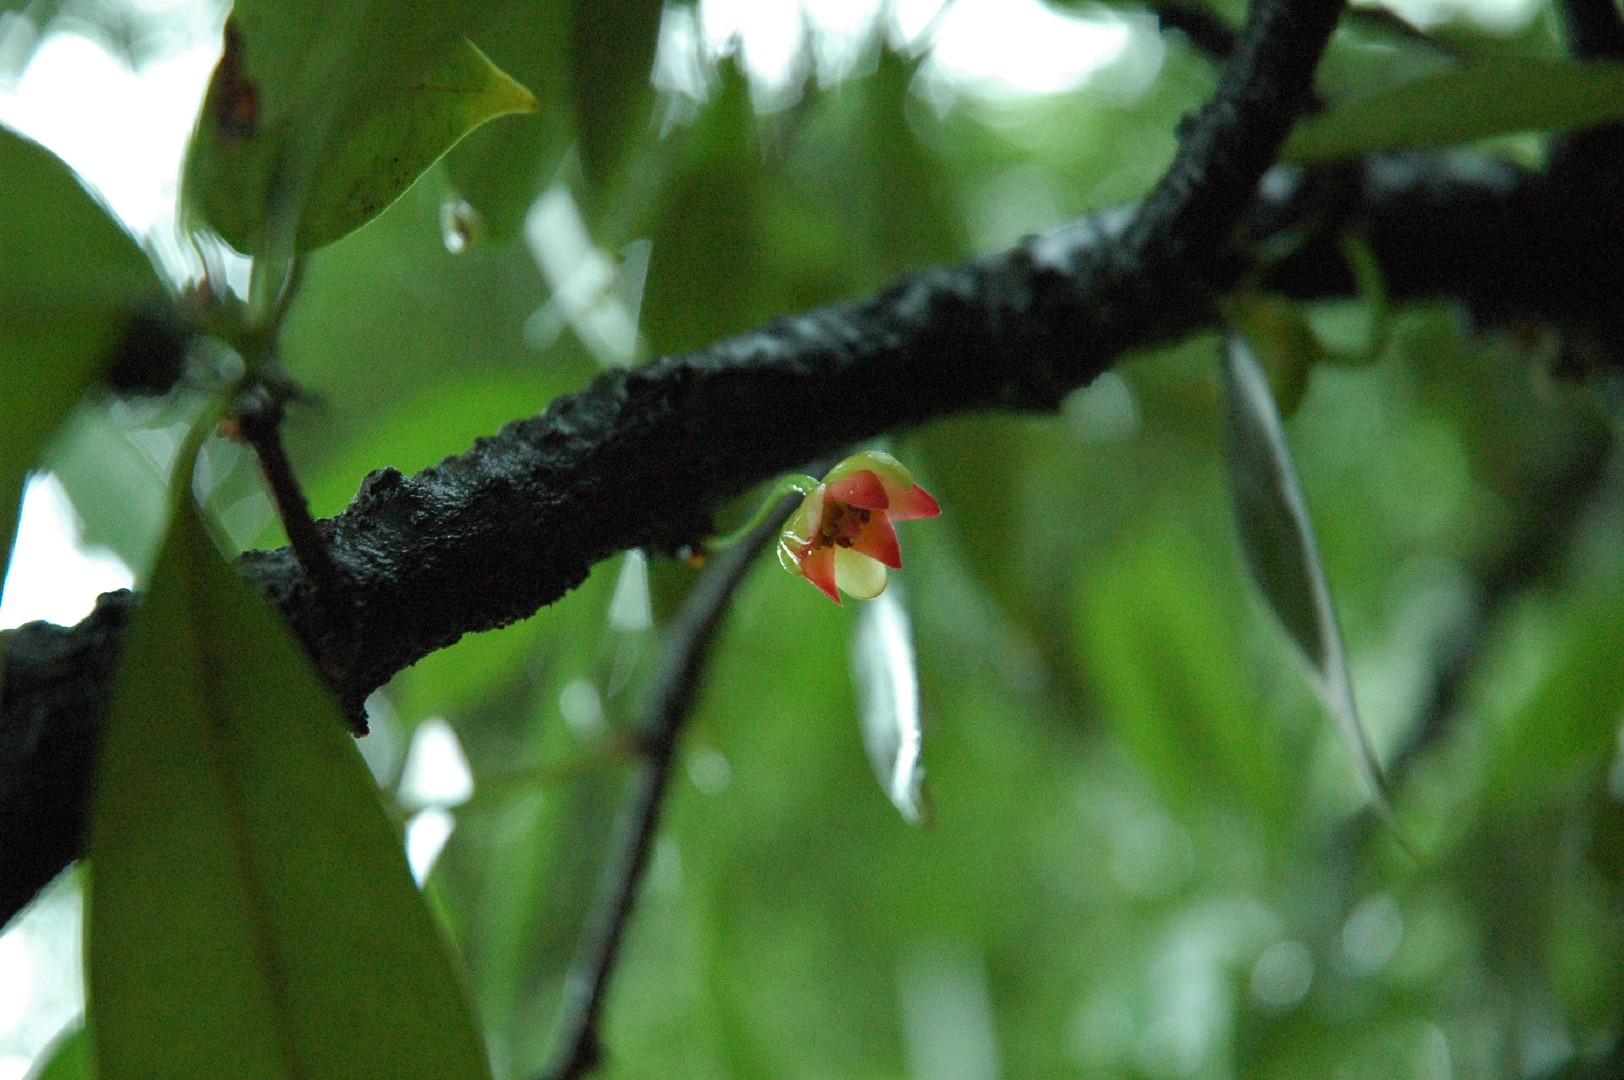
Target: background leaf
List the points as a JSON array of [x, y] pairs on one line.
[[1277, 541], [251, 914], [70, 281], [1489, 96], [611, 59], [1171, 678]]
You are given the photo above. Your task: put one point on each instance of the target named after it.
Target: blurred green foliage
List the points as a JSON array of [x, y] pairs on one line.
[[1150, 856]]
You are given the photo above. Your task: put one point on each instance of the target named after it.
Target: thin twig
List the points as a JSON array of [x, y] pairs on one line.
[[676, 679], [258, 420]]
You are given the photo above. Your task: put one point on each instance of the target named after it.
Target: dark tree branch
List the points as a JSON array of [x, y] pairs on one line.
[[1209, 32], [683, 653], [57, 680], [643, 458], [1184, 226]]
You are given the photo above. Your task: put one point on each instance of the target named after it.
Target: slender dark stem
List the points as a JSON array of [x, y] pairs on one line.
[[676, 680], [258, 420]]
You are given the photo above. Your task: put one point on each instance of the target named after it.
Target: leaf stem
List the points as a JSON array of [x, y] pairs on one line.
[[259, 416]]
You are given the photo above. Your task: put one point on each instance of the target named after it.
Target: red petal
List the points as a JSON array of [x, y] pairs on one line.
[[861, 489], [878, 540], [916, 502], [818, 567]]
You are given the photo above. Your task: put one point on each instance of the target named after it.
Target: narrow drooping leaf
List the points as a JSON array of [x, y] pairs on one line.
[[70, 281], [319, 116], [1277, 541], [887, 683], [1490, 96], [250, 911]]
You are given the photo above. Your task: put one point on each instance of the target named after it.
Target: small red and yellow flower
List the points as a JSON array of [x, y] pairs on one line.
[[841, 539]]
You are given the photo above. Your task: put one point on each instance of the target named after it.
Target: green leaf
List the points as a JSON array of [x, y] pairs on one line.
[[69, 1059], [710, 230], [318, 117], [70, 280], [876, 175], [251, 913], [611, 54], [1277, 541], [1560, 731], [1157, 631], [1500, 96], [499, 170]]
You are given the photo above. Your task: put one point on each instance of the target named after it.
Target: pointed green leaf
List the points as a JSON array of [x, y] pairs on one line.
[[887, 682], [70, 281], [318, 117], [251, 913], [500, 170], [1490, 96], [1277, 541]]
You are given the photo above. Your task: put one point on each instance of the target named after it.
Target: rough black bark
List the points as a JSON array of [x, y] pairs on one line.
[[643, 458]]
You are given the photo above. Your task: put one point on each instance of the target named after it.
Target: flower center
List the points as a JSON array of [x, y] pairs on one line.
[[842, 525]]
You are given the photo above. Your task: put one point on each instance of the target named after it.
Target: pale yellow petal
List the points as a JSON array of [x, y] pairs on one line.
[[858, 575]]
